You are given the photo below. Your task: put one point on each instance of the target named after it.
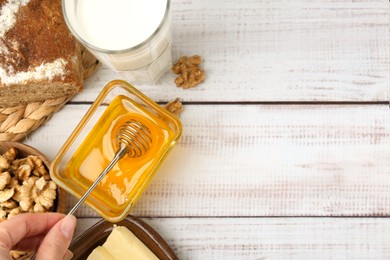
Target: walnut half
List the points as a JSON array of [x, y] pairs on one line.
[[189, 71], [175, 107]]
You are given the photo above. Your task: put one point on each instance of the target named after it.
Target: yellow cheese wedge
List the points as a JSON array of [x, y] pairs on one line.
[[122, 244]]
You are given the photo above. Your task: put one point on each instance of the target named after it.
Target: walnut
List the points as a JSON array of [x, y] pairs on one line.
[[47, 195], [6, 194], [5, 178], [190, 74], [28, 193], [38, 191], [175, 107], [37, 165], [10, 155]]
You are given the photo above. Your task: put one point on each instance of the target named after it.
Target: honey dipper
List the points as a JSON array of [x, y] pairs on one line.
[[133, 138]]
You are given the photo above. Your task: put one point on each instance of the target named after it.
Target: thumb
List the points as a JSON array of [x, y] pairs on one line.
[[56, 242]]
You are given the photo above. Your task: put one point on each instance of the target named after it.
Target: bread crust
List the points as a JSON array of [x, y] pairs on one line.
[[39, 58]]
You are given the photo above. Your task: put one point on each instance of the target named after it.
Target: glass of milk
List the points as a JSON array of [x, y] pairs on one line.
[[132, 37]]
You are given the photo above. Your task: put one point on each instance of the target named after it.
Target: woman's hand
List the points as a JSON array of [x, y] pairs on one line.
[[49, 233]]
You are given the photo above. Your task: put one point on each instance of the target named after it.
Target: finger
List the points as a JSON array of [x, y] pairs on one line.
[[26, 225], [57, 240]]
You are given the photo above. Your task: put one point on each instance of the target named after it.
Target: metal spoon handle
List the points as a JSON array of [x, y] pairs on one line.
[[118, 155]]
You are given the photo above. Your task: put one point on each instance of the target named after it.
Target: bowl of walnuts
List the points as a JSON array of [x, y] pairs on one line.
[[25, 183]]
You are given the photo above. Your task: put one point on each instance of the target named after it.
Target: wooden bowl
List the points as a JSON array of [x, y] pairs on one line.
[[25, 150]]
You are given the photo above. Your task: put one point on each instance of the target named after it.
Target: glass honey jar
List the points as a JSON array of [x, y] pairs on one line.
[[92, 146]]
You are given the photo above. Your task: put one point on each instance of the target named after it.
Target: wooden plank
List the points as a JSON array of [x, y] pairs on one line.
[[259, 160], [272, 238], [309, 50]]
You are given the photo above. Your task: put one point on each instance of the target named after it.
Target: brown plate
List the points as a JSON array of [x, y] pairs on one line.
[[98, 233]]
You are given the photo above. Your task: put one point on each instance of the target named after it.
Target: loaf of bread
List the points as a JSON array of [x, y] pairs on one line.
[[39, 58]]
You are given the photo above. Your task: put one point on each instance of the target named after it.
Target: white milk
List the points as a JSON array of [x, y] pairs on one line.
[[122, 33], [119, 24]]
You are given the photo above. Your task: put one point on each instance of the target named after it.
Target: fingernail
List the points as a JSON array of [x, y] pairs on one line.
[[68, 224]]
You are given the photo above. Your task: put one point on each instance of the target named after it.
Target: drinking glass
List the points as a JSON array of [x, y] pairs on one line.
[[144, 62]]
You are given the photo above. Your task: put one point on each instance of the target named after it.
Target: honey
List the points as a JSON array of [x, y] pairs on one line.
[[128, 178]]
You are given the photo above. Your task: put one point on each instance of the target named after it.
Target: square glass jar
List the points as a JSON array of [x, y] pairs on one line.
[[92, 145]]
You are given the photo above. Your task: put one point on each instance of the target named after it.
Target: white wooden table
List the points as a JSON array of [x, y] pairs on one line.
[[286, 146]]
